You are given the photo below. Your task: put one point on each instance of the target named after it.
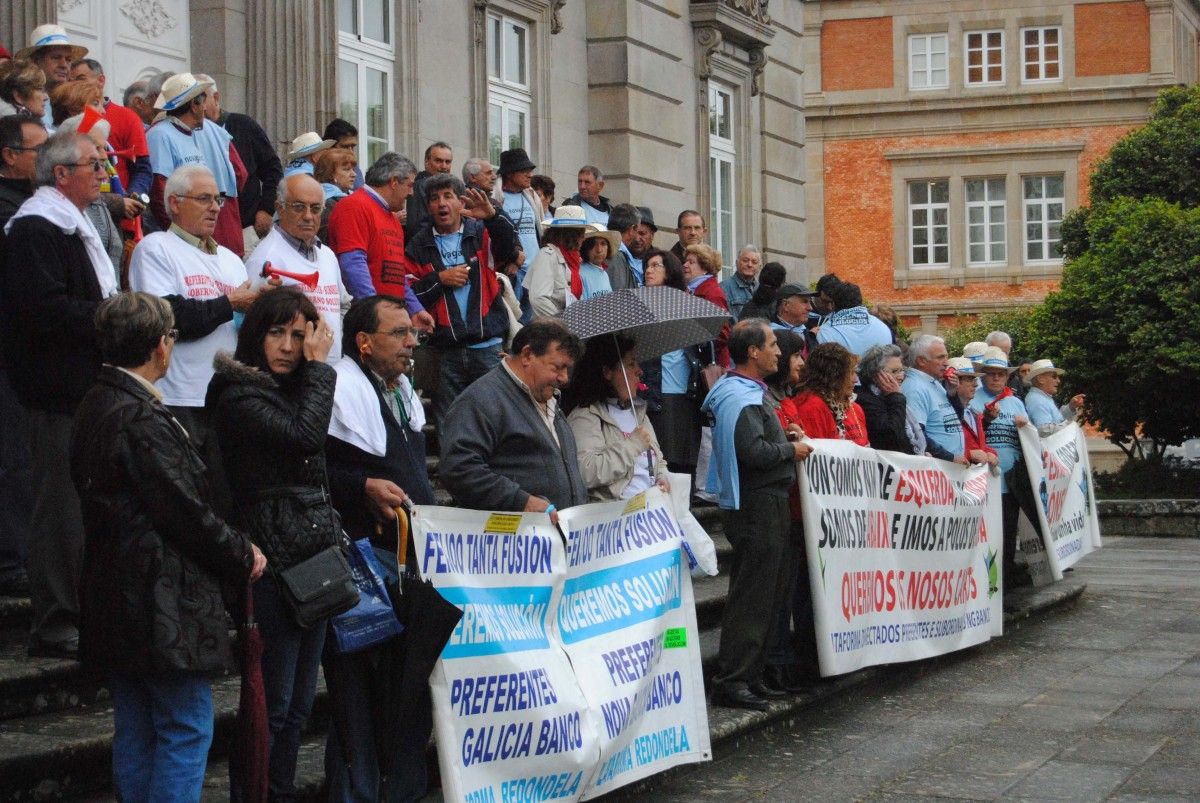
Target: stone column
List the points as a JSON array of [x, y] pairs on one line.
[[291, 66], [18, 18], [219, 47]]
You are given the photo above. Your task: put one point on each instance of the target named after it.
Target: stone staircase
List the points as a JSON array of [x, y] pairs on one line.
[[56, 721]]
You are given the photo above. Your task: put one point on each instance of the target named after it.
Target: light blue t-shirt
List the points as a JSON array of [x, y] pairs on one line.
[[931, 407], [298, 166], [1042, 409], [1002, 431], [518, 208], [676, 373], [171, 148], [593, 215], [450, 248], [856, 329], [595, 280]]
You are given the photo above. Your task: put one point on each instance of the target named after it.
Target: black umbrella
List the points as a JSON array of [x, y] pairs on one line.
[[428, 621], [659, 319]]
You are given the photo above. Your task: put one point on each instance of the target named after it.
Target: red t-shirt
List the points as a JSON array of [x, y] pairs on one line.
[[127, 137], [360, 223]]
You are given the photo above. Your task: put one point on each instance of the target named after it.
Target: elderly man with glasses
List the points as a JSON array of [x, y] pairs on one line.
[[55, 273], [293, 247], [206, 284]]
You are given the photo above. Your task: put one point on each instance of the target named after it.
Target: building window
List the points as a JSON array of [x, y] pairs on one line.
[[985, 222], [927, 61], [722, 156], [1041, 54], [1044, 204], [365, 57], [984, 62], [929, 222], [510, 99]]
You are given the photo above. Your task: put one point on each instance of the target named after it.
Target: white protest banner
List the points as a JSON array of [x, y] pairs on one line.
[[510, 718], [1060, 475], [904, 555], [628, 620], [563, 680]]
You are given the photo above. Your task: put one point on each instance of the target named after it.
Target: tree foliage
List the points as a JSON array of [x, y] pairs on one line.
[[1015, 322], [1126, 323]]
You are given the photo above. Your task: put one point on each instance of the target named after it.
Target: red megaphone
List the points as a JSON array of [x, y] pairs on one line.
[[309, 280]]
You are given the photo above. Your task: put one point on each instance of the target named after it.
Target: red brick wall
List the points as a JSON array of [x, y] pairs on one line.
[[1112, 39], [856, 54], [858, 210]]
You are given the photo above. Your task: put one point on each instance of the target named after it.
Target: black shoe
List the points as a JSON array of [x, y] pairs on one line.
[[767, 692], [66, 649], [738, 697], [782, 679]]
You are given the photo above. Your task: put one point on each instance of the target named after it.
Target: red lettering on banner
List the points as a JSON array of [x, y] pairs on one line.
[[924, 487]]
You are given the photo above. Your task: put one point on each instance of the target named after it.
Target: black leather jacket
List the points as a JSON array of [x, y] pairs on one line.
[[155, 554], [272, 436]]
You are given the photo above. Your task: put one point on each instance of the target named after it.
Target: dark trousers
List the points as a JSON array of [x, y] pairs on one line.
[[16, 486], [198, 423], [459, 368], [759, 576], [1018, 498], [795, 638], [291, 660], [356, 769], [56, 546]]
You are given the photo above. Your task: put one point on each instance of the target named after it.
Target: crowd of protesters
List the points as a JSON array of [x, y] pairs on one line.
[[209, 373]]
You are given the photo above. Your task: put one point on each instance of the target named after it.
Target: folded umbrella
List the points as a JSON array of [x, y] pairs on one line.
[[250, 753], [659, 319]]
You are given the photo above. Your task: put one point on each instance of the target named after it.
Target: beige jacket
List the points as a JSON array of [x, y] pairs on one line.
[[547, 283], [605, 455]]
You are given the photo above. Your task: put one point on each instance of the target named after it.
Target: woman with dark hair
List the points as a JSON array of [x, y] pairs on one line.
[[762, 303], [825, 406], [271, 403], [889, 426], [619, 455], [672, 398]]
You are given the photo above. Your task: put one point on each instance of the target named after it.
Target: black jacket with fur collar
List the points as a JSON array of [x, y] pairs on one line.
[[272, 434]]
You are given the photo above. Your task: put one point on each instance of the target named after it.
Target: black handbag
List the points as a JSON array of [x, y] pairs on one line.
[[320, 587]]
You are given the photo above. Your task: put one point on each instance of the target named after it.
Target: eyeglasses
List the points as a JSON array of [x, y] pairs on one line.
[[172, 334], [95, 164], [403, 333], [300, 208], [206, 200]]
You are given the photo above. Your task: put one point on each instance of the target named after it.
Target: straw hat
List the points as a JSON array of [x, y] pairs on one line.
[[566, 217], [962, 366], [994, 357], [50, 35], [974, 351], [179, 90], [307, 144], [1042, 367], [596, 230]]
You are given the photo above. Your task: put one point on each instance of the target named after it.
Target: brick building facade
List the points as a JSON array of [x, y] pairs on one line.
[[946, 139]]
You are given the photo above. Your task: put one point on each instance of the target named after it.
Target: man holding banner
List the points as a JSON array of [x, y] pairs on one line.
[[752, 468]]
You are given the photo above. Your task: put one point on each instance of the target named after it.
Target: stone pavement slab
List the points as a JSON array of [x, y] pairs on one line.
[[1097, 702]]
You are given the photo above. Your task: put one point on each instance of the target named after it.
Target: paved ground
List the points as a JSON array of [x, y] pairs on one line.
[[1101, 702]]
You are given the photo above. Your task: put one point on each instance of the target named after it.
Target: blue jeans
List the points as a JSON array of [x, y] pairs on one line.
[[291, 660], [354, 769], [459, 368], [164, 726]]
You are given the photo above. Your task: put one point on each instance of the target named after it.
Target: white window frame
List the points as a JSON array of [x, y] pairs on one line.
[[504, 93], [1042, 61], [366, 53], [990, 207], [928, 39], [1043, 204], [984, 51], [929, 207], [722, 151]]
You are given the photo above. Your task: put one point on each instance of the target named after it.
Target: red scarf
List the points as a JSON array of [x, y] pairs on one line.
[[573, 261]]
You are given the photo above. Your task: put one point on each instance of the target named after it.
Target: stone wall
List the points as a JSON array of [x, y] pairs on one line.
[[1179, 518]]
